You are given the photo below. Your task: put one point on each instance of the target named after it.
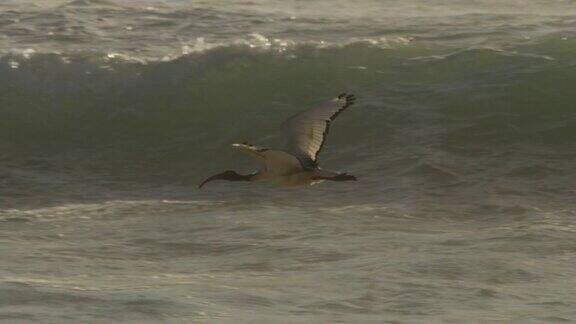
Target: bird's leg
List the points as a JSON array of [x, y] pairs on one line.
[[229, 176], [338, 177]]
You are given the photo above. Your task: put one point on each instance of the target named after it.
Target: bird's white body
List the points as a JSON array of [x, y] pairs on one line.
[[306, 133], [282, 167]]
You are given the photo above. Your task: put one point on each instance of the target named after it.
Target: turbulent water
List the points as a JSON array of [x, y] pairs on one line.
[[463, 138]]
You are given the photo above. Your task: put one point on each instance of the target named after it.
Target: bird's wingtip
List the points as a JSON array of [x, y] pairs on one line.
[[346, 98]]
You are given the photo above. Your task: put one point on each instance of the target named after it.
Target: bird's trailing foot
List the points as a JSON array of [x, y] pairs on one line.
[[344, 177], [339, 177]]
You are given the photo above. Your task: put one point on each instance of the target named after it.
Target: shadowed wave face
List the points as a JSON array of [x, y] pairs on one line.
[[447, 91], [421, 109]]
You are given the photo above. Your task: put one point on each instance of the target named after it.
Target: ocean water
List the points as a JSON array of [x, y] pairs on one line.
[[463, 138]]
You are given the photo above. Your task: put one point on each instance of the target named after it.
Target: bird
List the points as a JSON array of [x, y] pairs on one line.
[[305, 133]]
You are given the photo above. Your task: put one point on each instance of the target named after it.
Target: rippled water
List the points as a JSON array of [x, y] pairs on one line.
[[463, 139]]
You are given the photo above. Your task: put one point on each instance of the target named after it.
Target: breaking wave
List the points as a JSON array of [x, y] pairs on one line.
[[422, 107]]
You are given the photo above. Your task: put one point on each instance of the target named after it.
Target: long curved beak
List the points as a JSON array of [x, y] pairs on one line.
[[219, 176], [228, 175]]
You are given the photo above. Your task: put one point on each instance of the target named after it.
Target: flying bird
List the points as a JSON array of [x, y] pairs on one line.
[[298, 166]]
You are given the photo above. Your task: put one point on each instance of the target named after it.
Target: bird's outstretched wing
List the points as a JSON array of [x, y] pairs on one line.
[[306, 132]]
